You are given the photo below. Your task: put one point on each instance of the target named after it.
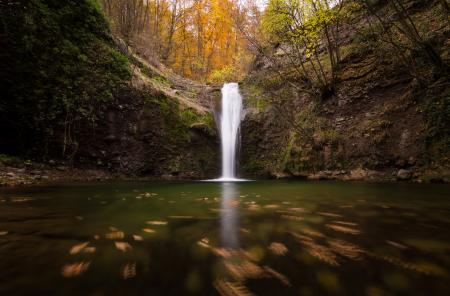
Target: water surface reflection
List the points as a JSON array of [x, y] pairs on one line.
[[246, 238], [229, 217]]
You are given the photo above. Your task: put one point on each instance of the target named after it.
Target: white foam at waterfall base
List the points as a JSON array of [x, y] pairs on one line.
[[230, 122]]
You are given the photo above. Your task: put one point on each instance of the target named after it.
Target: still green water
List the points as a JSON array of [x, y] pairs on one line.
[[197, 238]]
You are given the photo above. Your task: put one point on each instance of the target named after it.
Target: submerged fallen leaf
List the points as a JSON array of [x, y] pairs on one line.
[[346, 249], [222, 252], [75, 269], [233, 203], [343, 229], [148, 230], [79, 218], [204, 242], [89, 250], [278, 248], [123, 246], [181, 217], [3, 233], [329, 214], [311, 232], [345, 223], [129, 271], [322, 253], [397, 245], [292, 217], [282, 278], [115, 235], [137, 237], [299, 210], [244, 269], [271, 206], [226, 288], [301, 237], [254, 207], [78, 248], [403, 264], [146, 195], [156, 222], [20, 199]]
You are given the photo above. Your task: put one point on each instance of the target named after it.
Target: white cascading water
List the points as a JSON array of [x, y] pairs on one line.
[[230, 121]]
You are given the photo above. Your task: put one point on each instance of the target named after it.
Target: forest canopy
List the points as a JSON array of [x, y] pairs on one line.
[[200, 39]]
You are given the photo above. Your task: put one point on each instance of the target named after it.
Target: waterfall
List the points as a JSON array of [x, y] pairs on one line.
[[230, 120]]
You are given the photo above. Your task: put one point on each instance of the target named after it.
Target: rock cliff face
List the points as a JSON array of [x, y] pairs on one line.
[[160, 127], [74, 95], [378, 124]]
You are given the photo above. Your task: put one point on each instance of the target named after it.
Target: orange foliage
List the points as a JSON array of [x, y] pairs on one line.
[[200, 39]]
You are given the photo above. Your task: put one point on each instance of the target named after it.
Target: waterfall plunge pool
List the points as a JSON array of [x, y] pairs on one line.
[[197, 238]]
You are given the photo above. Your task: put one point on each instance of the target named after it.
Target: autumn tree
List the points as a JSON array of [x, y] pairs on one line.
[[196, 38], [129, 17]]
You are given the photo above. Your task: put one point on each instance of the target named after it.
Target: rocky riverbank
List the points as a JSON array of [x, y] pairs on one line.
[[366, 175], [32, 174], [40, 174]]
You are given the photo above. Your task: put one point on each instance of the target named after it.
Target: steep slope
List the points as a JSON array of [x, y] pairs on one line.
[[157, 127], [76, 96], [380, 123]]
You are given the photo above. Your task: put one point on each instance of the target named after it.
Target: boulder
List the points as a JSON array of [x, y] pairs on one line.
[[404, 175]]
